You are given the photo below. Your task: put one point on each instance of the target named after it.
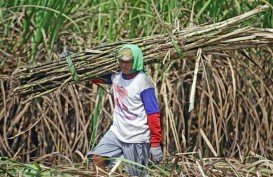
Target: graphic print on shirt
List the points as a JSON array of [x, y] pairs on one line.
[[122, 93]]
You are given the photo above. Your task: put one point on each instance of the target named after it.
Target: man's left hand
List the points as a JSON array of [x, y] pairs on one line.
[[156, 153], [66, 53]]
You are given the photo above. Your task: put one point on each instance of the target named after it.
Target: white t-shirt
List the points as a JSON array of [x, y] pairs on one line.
[[129, 117]]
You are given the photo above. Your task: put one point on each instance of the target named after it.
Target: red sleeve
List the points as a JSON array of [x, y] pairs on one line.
[[97, 81], [155, 128], [106, 79]]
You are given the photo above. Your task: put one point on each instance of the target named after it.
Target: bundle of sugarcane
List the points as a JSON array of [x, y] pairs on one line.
[[212, 39]]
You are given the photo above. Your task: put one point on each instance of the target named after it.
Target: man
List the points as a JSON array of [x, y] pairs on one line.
[[136, 132]]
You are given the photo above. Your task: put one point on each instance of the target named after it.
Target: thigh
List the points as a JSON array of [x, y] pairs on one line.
[[109, 146]]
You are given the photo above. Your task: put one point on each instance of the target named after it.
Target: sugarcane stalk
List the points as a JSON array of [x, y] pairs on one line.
[[96, 62]]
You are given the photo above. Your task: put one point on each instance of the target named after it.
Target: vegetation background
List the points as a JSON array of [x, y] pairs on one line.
[[233, 109]]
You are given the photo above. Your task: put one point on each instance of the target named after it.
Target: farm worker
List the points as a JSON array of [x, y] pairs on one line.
[[136, 132]]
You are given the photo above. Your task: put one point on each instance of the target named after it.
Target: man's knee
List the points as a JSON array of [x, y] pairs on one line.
[[98, 160]]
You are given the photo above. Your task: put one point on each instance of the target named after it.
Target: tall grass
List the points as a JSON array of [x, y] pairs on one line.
[[47, 25]]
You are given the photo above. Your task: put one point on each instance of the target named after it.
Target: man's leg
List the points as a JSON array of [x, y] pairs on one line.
[[108, 147], [99, 164], [139, 153]]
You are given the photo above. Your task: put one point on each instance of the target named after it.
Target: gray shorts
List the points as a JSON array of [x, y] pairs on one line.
[[110, 146]]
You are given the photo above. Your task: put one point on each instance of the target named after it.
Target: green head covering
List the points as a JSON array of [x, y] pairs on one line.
[[138, 64]]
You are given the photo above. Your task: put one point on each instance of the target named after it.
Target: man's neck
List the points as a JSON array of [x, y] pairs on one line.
[[129, 76]]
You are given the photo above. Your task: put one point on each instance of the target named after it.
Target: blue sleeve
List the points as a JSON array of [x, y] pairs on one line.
[[149, 100]]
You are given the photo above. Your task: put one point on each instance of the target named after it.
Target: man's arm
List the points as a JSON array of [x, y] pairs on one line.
[[106, 79], [155, 128], [153, 115], [153, 118]]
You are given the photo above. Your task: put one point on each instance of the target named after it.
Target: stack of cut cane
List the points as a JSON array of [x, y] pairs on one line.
[[213, 39]]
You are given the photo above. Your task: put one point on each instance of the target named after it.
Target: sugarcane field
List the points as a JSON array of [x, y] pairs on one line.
[[206, 104]]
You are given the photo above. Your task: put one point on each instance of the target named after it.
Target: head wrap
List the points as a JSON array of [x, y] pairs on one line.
[[138, 64]]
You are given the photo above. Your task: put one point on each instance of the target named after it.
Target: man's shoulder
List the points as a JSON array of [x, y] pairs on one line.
[[144, 80], [116, 74], [142, 75]]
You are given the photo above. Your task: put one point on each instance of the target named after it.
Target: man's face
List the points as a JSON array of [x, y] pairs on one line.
[[126, 66]]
